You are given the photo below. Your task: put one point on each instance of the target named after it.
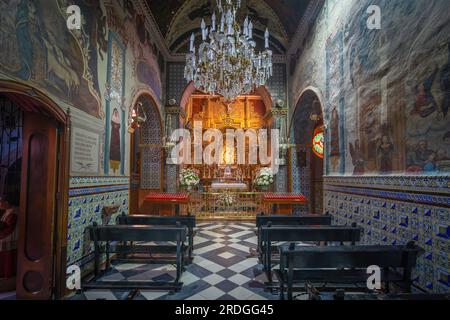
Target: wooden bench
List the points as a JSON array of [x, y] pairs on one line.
[[340, 295], [114, 240], [344, 265], [270, 234], [187, 221], [278, 220]]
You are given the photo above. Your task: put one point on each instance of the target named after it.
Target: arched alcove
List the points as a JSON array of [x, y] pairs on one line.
[[147, 166], [307, 163]]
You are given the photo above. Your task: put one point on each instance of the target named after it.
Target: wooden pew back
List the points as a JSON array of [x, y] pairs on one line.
[[311, 233], [344, 264], [303, 220], [188, 221], [137, 233]]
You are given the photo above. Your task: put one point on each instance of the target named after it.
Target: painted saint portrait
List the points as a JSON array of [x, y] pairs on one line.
[[334, 151], [357, 158], [385, 151], [114, 146]]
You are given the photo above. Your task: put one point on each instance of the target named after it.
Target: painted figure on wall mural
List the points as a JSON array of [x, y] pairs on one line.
[[445, 85], [96, 27], [420, 157], [357, 158], [29, 38], [425, 104], [145, 65], [38, 48], [114, 149], [335, 133], [385, 151]]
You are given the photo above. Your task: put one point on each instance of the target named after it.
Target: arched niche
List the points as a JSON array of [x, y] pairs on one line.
[[146, 153], [307, 165]]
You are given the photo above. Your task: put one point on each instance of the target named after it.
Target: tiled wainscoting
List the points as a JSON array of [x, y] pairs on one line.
[[88, 196], [396, 210]]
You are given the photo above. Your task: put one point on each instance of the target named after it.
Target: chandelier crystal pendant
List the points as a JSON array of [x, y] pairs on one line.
[[225, 62]]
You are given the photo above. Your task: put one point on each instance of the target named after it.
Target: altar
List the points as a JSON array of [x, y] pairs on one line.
[[228, 186]]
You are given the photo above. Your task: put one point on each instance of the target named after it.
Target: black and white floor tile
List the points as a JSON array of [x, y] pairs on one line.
[[223, 269]]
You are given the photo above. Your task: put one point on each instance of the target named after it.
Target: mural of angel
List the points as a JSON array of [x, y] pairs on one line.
[[357, 158]]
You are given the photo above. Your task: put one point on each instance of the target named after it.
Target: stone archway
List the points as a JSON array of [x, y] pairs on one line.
[[147, 154], [307, 165]]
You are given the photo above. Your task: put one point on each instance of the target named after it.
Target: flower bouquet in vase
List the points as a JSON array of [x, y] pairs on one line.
[[264, 179], [189, 179]]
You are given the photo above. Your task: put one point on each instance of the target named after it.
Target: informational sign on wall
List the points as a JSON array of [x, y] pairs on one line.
[[85, 152]]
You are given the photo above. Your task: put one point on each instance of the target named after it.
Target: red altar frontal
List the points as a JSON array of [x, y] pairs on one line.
[[283, 203], [166, 204]]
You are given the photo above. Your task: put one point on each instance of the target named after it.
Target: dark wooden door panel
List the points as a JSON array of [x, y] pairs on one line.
[[37, 208]]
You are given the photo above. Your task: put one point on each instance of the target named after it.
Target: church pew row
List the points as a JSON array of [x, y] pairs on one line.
[[187, 221], [114, 240], [280, 220], [314, 294], [271, 234], [344, 265]]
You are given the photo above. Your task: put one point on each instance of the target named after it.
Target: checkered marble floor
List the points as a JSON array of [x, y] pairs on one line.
[[222, 269]]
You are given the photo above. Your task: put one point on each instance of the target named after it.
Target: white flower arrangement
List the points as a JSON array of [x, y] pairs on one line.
[[264, 178], [226, 199], [189, 178]]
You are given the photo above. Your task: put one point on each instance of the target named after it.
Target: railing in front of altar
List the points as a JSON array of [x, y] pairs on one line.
[[227, 205]]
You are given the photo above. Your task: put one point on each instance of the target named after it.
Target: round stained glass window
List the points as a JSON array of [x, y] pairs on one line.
[[318, 143]]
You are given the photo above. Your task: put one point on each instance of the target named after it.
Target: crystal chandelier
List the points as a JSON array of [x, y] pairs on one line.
[[226, 63]]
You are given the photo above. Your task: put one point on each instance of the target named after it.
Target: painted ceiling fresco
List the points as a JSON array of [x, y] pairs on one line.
[[178, 18]]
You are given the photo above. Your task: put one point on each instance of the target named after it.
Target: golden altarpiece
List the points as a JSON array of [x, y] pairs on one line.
[[247, 112]]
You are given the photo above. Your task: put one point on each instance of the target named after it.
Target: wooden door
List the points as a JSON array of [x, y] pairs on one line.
[[316, 187], [37, 208]]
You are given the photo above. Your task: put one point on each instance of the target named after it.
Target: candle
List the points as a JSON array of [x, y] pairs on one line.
[[203, 24], [246, 26], [250, 30], [213, 27], [222, 23], [191, 48], [266, 36]]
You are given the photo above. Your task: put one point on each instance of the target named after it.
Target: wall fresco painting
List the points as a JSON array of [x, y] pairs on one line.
[[335, 102], [115, 109], [40, 49]]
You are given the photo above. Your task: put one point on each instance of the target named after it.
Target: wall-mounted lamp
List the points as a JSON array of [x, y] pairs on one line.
[[138, 116]]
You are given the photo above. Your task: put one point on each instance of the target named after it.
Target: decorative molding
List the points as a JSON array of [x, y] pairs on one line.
[[85, 182], [173, 110], [276, 112], [303, 28], [153, 26], [419, 198], [427, 184], [97, 190]]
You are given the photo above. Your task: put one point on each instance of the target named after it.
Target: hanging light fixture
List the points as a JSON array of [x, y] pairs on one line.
[[138, 116], [225, 62]]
